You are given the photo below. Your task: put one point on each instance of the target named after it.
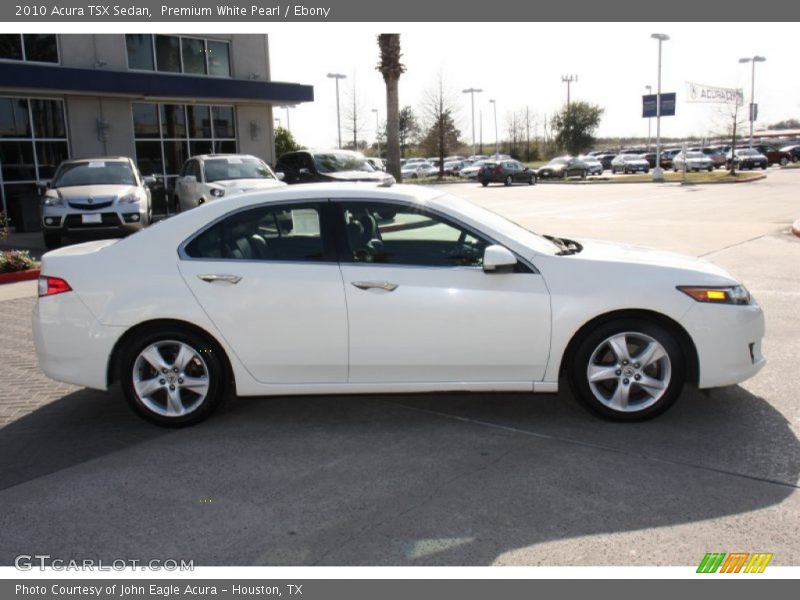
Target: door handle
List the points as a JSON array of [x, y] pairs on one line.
[[370, 285], [227, 278]]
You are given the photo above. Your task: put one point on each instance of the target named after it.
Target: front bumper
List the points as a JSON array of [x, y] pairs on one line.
[[68, 221], [728, 341]]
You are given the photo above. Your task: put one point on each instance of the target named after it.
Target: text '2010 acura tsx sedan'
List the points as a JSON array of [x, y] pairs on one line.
[[308, 289]]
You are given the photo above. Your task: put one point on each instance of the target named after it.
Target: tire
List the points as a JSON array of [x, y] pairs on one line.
[[52, 240], [710, 169], [584, 174], [604, 351], [646, 171], [532, 180], [508, 181], [169, 347], [484, 183], [764, 166]]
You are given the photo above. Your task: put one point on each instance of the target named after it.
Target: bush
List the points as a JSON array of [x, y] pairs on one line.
[[16, 260]]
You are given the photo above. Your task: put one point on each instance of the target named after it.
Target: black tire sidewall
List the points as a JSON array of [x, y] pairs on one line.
[[576, 370], [216, 374]]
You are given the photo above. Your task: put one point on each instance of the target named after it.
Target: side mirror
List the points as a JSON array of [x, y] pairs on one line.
[[280, 175], [149, 180], [498, 259], [304, 171]]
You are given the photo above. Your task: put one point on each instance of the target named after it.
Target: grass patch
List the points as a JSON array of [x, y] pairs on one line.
[[718, 176]]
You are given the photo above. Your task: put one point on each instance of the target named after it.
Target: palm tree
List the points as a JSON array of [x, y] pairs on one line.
[[391, 68]]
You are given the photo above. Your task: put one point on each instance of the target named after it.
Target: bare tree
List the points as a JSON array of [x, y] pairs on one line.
[[353, 115], [439, 114], [726, 123], [391, 68]]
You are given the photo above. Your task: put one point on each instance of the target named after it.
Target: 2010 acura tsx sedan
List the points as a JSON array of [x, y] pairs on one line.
[[307, 289]]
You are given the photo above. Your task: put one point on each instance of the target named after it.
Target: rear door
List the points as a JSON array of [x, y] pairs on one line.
[[268, 279]]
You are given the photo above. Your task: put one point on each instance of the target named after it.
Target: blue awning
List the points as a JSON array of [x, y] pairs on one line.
[[57, 79]]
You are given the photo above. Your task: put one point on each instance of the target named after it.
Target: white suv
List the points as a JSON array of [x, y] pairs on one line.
[[211, 176]]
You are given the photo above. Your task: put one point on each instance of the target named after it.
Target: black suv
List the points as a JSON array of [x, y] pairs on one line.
[[309, 166]]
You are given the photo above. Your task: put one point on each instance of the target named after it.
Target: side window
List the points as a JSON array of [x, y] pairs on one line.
[[194, 169], [273, 233], [388, 234]]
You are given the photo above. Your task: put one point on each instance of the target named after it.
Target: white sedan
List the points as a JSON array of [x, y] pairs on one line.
[[211, 176], [308, 290]]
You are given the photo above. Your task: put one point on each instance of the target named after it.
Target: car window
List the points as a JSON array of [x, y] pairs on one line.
[[265, 233], [391, 234], [94, 172], [334, 162]]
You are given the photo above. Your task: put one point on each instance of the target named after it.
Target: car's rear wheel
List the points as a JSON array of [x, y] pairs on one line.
[[484, 183], [509, 180], [52, 240], [628, 370], [172, 377], [532, 180]]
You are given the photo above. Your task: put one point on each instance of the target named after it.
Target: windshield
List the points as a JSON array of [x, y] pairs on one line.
[[695, 155], [631, 157], [333, 162], [94, 172], [559, 161], [747, 152], [234, 167]]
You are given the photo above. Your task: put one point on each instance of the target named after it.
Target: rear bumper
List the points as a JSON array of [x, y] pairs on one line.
[[72, 346]]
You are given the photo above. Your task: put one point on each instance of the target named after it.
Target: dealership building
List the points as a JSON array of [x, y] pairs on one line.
[[156, 98]]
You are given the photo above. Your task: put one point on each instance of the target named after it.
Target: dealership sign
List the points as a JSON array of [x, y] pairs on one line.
[[650, 105], [697, 92]]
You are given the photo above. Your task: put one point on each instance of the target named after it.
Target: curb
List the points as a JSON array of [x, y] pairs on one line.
[[16, 276], [796, 228]]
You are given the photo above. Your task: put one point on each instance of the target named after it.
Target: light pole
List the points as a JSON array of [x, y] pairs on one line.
[[337, 77], [472, 92], [658, 172], [496, 138], [649, 89], [377, 132], [288, 125], [753, 60], [568, 79]]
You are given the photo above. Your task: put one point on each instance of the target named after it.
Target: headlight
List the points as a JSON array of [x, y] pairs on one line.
[[129, 199], [735, 294], [53, 201], [217, 192]]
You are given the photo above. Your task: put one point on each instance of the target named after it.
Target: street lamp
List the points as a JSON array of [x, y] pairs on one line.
[[649, 89], [658, 172], [337, 77], [568, 79], [496, 138], [377, 132], [472, 92], [753, 60]]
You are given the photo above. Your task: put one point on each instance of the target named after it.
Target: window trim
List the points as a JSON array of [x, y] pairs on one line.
[[327, 233], [345, 257]]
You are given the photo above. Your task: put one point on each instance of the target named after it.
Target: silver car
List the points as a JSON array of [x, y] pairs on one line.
[[95, 197], [692, 161], [629, 163]]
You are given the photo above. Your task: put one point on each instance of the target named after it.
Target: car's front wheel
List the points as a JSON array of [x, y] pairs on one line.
[[628, 370], [172, 377], [509, 180]]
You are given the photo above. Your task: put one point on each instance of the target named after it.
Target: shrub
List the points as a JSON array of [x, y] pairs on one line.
[[16, 260]]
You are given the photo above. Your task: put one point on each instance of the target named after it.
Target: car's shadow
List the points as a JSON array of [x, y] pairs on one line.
[[379, 480]]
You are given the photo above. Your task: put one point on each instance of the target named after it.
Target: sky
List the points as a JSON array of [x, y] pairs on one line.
[[522, 64]]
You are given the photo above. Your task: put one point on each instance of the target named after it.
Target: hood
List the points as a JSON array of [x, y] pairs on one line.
[[245, 185], [594, 250], [96, 191], [356, 176]]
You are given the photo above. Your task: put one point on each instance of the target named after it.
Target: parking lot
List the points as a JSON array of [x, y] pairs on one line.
[[453, 479]]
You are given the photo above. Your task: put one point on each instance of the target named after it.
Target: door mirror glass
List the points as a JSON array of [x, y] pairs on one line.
[[497, 259], [280, 175], [149, 180]]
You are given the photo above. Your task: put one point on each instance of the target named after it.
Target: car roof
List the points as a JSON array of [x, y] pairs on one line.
[[99, 159]]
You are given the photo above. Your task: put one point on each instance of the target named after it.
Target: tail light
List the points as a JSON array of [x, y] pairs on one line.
[[50, 286]]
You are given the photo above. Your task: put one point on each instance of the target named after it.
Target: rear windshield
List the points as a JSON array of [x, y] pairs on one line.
[[95, 172]]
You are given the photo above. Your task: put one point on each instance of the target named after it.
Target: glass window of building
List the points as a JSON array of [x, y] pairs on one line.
[[140, 51], [194, 56], [168, 53], [34, 47], [219, 60]]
